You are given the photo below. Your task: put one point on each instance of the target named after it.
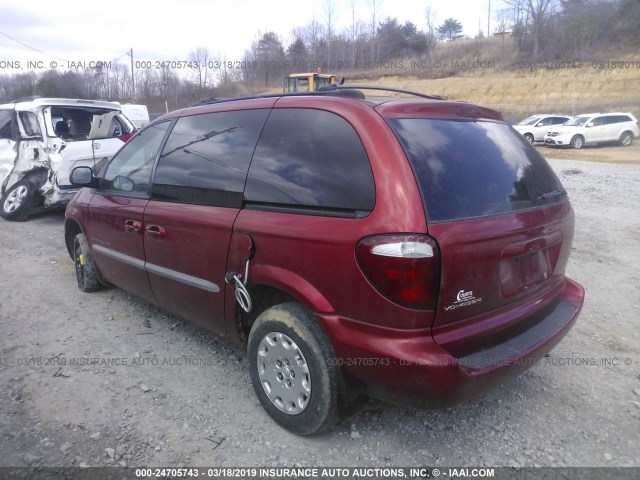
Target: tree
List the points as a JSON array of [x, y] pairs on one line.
[[530, 18], [373, 26], [201, 74], [354, 32], [329, 10], [628, 13], [450, 30], [431, 32], [297, 53], [270, 56], [392, 39]]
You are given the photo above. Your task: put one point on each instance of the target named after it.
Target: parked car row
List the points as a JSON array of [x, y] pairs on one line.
[[576, 132], [406, 248]]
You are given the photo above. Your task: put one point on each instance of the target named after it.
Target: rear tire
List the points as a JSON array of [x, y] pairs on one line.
[[86, 271], [626, 138], [577, 142], [293, 369], [17, 201]]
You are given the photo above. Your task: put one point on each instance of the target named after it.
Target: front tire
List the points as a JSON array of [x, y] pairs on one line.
[[86, 272], [292, 368], [529, 138], [17, 201], [577, 142], [626, 138]]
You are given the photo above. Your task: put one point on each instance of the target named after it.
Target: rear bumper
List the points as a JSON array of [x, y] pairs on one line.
[[411, 368]]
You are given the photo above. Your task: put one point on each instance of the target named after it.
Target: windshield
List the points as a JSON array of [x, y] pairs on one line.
[[576, 122], [529, 121]]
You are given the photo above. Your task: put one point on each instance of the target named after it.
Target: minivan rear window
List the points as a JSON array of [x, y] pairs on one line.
[[469, 169]]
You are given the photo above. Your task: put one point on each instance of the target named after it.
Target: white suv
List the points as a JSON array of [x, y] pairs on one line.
[[535, 127], [592, 128], [43, 139]]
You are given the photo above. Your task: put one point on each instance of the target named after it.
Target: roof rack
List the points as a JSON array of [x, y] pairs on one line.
[[351, 91], [333, 88]]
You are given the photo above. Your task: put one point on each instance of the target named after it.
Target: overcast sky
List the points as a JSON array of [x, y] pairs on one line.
[[80, 30]]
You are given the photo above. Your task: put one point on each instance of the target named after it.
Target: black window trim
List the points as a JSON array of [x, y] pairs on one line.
[[305, 210]]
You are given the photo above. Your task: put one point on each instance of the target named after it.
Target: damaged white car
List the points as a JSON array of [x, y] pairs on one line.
[[43, 139]]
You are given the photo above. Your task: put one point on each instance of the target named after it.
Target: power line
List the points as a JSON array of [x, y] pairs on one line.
[[45, 53], [31, 48]]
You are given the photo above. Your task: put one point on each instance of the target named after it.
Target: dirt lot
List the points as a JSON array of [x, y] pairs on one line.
[[596, 153], [177, 396]]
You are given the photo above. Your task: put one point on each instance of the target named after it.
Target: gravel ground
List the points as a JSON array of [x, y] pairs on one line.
[[179, 397]]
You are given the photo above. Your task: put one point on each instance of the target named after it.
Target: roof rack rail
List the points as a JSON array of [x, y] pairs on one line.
[[352, 91], [331, 88]]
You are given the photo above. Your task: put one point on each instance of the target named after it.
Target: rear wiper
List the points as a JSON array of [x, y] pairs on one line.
[[551, 195]]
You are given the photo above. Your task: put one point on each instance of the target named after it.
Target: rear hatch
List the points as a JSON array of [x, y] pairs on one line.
[[500, 217]]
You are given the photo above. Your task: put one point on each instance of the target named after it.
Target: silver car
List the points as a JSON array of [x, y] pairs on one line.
[[43, 139]]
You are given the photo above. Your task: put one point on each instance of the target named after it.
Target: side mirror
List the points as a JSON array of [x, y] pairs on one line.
[[590, 124], [83, 177]]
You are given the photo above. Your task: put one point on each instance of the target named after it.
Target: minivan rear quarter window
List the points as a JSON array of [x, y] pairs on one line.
[[313, 160], [468, 169]]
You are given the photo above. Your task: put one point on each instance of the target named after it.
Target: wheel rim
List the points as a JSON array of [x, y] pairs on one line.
[[577, 143], [626, 140], [284, 373], [529, 138], [15, 199], [79, 258]]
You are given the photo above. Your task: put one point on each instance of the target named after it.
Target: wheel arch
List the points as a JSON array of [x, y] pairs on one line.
[[625, 132], [37, 177], [263, 297], [71, 229], [578, 135]]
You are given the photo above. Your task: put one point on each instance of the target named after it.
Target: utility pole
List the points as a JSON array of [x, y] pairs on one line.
[[133, 78]]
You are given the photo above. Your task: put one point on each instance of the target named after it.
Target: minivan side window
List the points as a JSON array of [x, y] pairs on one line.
[[130, 170], [311, 161], [5, 124], [206, 158]]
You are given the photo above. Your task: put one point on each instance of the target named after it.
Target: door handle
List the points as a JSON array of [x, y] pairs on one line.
[[132, 226], [155, 231]]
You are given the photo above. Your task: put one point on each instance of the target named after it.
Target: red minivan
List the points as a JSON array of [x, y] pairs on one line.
[[407, 248]]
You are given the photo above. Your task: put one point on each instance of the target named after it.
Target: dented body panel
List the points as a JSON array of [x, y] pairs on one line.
[[43, 139]]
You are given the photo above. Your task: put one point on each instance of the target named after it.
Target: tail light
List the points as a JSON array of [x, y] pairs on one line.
[[126, 138], [404, 268]]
